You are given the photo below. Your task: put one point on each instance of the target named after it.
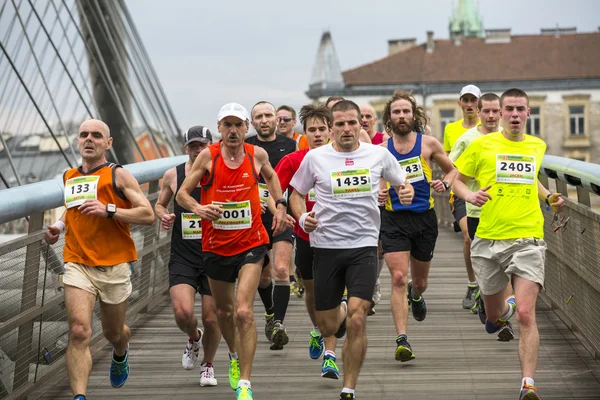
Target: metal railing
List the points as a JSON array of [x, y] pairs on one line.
[[33, 323], [572, 276]]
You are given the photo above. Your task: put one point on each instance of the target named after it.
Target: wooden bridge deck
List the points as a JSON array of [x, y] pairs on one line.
[[456, 359]]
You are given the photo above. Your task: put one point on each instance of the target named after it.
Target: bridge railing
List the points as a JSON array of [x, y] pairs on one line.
[[33, 321], [572, 280]]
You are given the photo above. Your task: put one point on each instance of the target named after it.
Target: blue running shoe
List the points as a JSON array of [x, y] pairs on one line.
[[503, 328], [403, 350], [119, 371], [315, 345], [329, 369], [79, 397]]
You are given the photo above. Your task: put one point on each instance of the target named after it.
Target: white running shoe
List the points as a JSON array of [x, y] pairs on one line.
[[190, 354], [207, 375], [377, 292]]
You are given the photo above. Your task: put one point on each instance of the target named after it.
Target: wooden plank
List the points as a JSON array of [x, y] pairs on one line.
[[456, 359]]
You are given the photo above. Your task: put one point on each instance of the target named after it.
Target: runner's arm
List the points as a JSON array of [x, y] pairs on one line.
[[440, 157], [164, 197], [554, 200], [141, 211], [52, 233], [199, 168], [460, 189]]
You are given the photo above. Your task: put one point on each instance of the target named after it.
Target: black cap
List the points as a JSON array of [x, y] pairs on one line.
[[197, 133]]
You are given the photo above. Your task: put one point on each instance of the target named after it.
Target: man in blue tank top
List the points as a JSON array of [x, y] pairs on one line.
[[408, 233]]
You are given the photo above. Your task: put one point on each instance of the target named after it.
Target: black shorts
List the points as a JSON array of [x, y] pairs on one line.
[[336, 269], [459, 209], [409, 231], [304, 259], [287, 235], [227, 268], [182, 273], [472, 224]]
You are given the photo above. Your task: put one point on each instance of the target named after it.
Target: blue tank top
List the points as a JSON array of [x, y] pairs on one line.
[[418, 174]]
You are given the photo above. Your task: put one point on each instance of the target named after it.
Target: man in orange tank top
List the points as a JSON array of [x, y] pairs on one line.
[[102, 199], [234, 240]]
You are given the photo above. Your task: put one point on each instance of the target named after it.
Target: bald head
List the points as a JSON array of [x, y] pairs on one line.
[[369, 119], [94, 125]]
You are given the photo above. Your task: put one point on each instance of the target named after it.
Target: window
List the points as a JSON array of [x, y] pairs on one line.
[[446, 116], [380, 122], [576, 120], [533, 123]]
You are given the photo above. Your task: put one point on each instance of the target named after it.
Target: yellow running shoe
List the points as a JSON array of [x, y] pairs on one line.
[[234, 374], [243, 393]]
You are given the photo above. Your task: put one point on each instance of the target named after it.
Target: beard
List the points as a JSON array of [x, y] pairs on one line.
[[272, 129], [402, 130]]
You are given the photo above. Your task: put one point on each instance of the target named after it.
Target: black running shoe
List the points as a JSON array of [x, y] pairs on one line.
[[342, 329], [417, 306], [346, 396]]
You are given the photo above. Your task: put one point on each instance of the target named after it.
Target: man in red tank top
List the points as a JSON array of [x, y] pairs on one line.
[[101, 200], [368, 121], [234, 240]]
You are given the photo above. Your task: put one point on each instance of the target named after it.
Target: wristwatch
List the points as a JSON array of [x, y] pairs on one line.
[[111, 209], [446, 185], [281, 201], [547, 200]]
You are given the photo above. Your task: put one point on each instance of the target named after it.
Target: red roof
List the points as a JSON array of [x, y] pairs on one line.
[[527, 57]]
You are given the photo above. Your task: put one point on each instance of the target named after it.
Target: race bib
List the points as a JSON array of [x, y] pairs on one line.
[[413, 168], [80, 189], [191, 226], [236, 215], [263, 192], [351, 183], [312, 196], [514, 168]]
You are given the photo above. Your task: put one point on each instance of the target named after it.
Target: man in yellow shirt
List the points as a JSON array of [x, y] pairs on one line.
[[467, 101], [509, 243]]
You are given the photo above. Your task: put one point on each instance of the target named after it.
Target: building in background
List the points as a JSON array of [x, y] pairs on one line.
[[559, 68]]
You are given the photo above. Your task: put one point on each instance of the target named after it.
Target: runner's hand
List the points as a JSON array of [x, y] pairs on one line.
[[406, 194], [210, 212], [93, 207], [263, 207], [480, 197], [382, 198], [310, 222], [279, 221], [438, 186], [167, 221], [51, 235], [557, 203]]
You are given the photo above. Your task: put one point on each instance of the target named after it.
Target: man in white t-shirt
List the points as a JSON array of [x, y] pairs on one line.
[[345, 177]]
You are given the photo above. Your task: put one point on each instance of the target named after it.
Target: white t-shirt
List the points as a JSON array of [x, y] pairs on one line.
[[346, 187]]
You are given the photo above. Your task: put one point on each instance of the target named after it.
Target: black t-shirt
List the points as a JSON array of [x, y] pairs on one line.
[[277, 149]]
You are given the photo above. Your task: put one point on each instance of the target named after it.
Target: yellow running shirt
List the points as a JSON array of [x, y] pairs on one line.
[[452, 132], [511, 168]]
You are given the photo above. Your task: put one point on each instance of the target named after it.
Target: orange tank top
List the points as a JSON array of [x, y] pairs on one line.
[[241, 227], [91, 240]]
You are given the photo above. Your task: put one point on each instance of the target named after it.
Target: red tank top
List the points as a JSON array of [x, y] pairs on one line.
[[377, 138], [241, 227]]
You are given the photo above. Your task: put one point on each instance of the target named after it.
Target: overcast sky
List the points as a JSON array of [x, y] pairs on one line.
[[208, 53]]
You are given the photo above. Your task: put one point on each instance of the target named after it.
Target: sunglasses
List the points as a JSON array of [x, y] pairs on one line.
[[285, 119]]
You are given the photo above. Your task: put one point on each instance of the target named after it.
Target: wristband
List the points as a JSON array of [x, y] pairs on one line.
[[446, 185], [547, 199], [302, 220], [60, 225]]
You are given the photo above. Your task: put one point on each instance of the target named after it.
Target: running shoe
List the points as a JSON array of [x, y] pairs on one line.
[[469, 300], [79, 397], [119, 370], [190, 353], [279, 336], [418, 305], [529, 393], [243, 393], [269, 323], [372, 309], [377, 292], [342, 329], [403, 350], [479, 307], [315, 345], [207, 375], [234, 372], [346, 396], [295, 289], [329, 369], [503, 328]]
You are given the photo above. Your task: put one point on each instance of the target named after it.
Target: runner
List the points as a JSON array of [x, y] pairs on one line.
[[316, 121], [101, 200], [186, 269], [276, 146], [508, 244], [234, 241], [409, 232], [345, 177], [286, 121], [467, 101], [363, 136]]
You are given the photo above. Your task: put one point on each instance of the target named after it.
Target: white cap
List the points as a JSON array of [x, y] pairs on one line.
[[472, 89], [233, 110]]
